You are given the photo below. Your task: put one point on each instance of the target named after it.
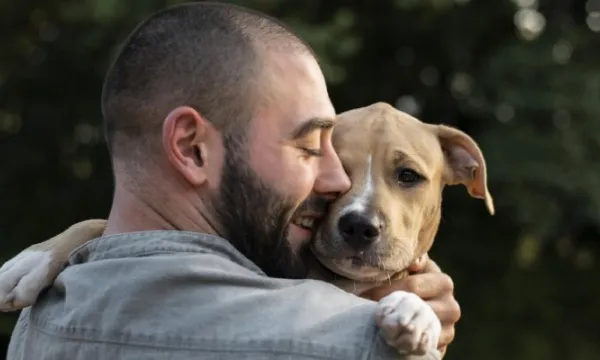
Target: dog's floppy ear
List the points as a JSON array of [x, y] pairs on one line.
[[465, 163]]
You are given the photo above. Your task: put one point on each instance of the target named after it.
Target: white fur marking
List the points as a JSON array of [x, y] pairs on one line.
[[23, 277], [361, 201], [405, 319]]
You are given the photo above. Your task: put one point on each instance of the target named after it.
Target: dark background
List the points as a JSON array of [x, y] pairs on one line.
[[522, 77]]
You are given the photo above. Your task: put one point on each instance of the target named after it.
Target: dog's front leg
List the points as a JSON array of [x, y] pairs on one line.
[[408, 323], [23, 277]]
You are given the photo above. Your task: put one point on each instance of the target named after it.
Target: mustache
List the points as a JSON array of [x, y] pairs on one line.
[[316, 204]]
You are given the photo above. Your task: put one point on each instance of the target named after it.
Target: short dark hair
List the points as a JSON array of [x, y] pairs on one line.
[[204, 55]]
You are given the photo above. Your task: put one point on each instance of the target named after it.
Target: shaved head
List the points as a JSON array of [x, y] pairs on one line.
[[219, 121], [207, 56]]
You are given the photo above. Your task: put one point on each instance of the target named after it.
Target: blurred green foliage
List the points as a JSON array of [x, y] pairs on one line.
[[521, 76]]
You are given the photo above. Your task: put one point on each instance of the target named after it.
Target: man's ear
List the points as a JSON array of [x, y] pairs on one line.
[[464, 163], [185, 134]]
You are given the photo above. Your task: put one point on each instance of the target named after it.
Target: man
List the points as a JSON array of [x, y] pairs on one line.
[[218, 123]]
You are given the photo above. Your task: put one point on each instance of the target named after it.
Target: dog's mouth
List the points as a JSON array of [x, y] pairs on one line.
[[356, 268], [360, 260], [367, 266]]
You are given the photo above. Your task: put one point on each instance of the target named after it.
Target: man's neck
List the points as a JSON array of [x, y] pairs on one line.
[[131, 212]]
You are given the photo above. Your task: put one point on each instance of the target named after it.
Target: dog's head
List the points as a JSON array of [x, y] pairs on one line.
[[398, 166]]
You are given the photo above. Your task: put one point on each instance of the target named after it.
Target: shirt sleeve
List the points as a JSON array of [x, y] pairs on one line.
[[17, 339]]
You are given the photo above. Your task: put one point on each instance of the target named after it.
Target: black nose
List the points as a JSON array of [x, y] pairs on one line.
[[359, 230]]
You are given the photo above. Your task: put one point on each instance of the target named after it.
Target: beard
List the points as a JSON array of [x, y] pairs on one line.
[[255, 219]]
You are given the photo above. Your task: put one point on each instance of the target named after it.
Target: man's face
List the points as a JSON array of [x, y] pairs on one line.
[[281, 177]]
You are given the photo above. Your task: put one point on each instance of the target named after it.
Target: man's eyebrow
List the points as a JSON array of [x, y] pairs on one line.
[[312, 125]]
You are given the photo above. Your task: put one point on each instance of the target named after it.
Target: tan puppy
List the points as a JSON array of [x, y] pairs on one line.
[[398, 166], [377, 231]]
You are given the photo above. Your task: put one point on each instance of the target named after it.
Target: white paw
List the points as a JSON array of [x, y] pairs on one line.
[[408, 323], [23, 277]]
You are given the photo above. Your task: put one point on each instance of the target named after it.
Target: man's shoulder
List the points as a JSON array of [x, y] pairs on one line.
[[202, 300]]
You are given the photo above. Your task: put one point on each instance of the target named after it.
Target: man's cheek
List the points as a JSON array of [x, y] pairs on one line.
[[302, 182], [295, 176]]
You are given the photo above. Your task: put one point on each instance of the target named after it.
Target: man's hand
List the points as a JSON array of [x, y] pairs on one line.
[[433, 286]]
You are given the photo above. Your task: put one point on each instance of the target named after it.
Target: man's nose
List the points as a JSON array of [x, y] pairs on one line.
[[332, 179]]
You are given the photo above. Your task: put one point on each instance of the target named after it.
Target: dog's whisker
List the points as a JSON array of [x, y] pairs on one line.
[[381, 265]]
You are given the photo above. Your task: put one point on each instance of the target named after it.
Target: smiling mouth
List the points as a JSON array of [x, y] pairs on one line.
[[307, 221]]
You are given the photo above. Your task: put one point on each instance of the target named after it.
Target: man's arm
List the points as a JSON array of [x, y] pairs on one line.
[[429, 284], [186, 305]]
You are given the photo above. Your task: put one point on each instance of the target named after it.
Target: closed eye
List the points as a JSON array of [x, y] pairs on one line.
[[312, 152], [408, 177]]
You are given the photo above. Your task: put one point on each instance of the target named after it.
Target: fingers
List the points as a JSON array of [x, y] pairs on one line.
[[446, 337], [442, 350], [418, 264], [431, 267], [424, 265], [447, 309], [426, 286]]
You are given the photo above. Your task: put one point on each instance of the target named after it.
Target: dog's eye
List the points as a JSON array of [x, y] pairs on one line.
[[408, 176]]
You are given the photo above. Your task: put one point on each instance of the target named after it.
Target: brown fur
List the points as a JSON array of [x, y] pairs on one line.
[[373, 142]]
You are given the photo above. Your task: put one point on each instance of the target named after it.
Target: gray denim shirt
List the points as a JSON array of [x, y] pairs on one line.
[[180, 295]]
